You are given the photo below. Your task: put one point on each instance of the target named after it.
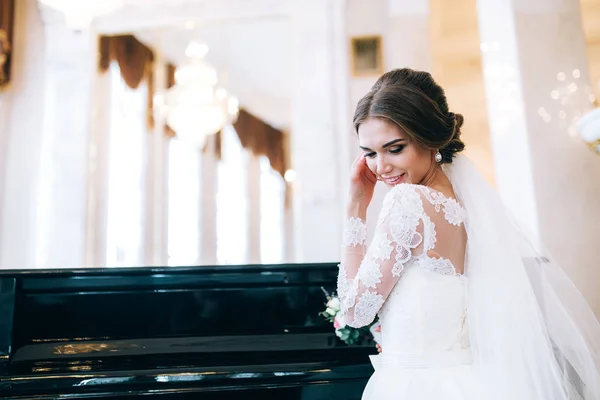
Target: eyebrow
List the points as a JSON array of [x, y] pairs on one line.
[[388, 144]]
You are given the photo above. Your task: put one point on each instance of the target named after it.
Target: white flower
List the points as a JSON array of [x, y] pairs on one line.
[[334, 303], [331, 311], [339, 323]]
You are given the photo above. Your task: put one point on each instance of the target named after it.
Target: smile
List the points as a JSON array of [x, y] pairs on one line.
[[395, 180]]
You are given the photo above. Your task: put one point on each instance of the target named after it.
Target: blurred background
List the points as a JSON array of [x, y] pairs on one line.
[[204, 132]]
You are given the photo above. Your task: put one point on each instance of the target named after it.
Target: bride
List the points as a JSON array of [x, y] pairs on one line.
[[468, 309]]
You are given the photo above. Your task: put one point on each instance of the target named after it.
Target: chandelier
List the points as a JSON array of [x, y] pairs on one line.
[[194, 107], [79, 13]]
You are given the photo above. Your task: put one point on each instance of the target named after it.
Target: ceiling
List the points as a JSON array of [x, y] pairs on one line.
[[248, 40]]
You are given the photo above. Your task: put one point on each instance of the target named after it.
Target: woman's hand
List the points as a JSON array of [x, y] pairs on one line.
[[379, 349], [362, 184]]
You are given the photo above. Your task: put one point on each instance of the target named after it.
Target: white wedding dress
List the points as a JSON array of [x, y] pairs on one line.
[[469, 308], [411, 276]]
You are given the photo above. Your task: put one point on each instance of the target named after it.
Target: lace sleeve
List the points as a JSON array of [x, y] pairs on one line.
[[366, 278]]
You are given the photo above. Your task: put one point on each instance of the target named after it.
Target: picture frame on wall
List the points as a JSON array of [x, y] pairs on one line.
[[366, 55]]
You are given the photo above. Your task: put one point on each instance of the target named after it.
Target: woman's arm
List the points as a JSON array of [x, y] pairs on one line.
[[367, 276]]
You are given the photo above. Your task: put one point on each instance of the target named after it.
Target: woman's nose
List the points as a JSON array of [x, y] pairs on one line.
[[382, 166]]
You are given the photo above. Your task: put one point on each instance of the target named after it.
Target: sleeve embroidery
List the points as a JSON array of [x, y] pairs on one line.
[[365, 282], [355, 232], [381, 248], [366, 308], [369, 273], [346, 289]]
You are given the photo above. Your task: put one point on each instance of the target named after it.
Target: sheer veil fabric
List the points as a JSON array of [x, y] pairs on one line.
[[533, 335]]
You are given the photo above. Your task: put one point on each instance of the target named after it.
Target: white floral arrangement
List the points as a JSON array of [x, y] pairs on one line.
[[348, 334]]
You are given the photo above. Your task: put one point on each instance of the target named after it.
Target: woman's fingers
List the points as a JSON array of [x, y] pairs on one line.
[[357, 166], [366, 172]]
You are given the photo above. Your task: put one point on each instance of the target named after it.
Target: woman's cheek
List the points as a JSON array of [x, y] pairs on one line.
[[372, 165]]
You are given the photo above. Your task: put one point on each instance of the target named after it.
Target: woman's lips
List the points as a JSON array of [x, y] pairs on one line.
[[394, 180]]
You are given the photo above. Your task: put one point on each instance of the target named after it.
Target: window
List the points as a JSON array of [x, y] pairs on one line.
[[128, 137], [184, 204], [232, 201], [272, 198]]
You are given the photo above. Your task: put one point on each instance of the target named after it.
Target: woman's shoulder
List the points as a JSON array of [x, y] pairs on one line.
[[410, 190], [425, 192], [419, 199], [405, 197]]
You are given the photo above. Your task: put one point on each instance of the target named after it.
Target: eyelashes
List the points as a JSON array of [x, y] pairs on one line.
[[395, 150]]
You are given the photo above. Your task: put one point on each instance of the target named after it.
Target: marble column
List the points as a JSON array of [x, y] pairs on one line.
[[70, 67], [157, 163], [208, 203], [97, 196], [314, 140], [288, 226], [22, 111], [537, 84], [254, 214], [341, 92]]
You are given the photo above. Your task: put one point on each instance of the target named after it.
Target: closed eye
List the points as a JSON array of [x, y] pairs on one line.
[[370, 154], [397, 149]]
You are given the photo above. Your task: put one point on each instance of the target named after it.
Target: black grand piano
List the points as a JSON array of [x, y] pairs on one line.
[[226, 332]]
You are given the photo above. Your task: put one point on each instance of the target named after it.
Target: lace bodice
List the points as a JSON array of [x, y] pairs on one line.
[[410, 272]]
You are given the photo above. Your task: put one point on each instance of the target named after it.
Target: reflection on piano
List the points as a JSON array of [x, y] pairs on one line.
[[243, 332]]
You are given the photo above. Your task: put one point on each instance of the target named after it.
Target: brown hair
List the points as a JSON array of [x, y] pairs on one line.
[[417, 104]]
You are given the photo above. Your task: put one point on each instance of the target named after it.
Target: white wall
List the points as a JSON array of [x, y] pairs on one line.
[[457, 67], [404, 28]]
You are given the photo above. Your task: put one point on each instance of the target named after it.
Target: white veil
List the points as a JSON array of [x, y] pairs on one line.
[[533, 335]]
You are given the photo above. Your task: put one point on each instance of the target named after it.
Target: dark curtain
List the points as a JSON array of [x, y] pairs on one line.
[[135, 61], [262, 139], [7, 21], [169, 132]]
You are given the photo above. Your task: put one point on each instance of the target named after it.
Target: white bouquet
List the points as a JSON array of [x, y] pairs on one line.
[[347, 333]]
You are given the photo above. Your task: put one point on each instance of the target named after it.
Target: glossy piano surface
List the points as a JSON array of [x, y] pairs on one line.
[[194, 332]]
